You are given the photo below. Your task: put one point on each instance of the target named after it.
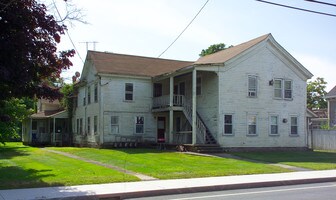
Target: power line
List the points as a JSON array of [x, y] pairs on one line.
[[296, 8], [73, 44], [184, 29], [321, 2]]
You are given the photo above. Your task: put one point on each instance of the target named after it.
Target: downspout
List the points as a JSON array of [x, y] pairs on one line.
[[101, 117]]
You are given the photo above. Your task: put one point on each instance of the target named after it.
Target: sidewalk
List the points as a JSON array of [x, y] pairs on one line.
[[161, 187]]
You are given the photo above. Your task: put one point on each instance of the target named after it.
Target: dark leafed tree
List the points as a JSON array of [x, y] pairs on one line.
[[29, 60], [213, 49], [316, 93], [28, 53]]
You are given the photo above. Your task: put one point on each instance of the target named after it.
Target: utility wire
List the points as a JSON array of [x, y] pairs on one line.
[[321, 2], [184, 29], [296, 8], [73, 44]]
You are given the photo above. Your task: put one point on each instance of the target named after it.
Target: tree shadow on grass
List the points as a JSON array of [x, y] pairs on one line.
[[139, 150], [7, 152], [13, 177]]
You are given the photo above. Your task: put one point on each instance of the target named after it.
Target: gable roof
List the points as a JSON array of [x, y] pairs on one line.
[[331, 93], [227, 54], [111, 63]]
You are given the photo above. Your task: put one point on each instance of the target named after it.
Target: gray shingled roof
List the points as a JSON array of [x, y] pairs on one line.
[[331, 93]]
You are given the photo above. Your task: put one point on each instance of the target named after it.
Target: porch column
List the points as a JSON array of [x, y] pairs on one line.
[[194, 128], [171, 112], [30, 132], [54, 133]]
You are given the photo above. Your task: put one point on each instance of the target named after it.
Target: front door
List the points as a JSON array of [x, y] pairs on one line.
[[161, 129]]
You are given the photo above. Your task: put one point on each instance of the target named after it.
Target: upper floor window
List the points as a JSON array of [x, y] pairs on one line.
[[199, 86], [128, 91], [288, 89], [89, 95], [157, 90], [252, 86], [228, 125], [278, 88], [283, 89], [96, 92]]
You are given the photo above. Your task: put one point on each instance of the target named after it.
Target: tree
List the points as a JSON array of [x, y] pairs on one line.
[[316, 93], [213, 49], [28, 52], [12, 112]]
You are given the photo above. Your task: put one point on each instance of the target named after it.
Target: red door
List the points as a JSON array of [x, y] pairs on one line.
[[161, 129]]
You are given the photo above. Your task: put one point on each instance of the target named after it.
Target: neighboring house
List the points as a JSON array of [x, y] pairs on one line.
[[251, 95], [321, 118], [49, 126], [331, 98]]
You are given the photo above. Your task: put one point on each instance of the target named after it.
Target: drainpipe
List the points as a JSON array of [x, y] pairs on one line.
[[171, 112]]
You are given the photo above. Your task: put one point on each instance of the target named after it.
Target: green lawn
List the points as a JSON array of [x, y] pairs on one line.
[[317, 160], [23, 167], [169, 165]]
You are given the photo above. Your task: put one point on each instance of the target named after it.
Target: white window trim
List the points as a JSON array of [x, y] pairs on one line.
[[248, 86], [135, 124], [129, 92], [270, 125], [247, 123], [297, 126], [117, 124], [283, 89], [232, 124]]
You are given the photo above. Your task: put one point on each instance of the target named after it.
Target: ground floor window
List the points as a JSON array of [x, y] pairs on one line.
[[274, 125], [228, 125], [294, 125], [114, 124], [139, 124], [95, 124], [81, 126], [252, 124], [88, 125]]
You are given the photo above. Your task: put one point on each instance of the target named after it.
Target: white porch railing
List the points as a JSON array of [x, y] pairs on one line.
[[163, 101]]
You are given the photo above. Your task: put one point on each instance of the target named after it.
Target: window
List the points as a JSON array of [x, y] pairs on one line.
[[95, 124], [96, 92], [128, 91], [88, 125], [157, 90], [274, 125], [252, 124], [114, 124], [288, 89], [78, 126], [228, 124], [252, 86], [182, 88], [178, 124], [278, 88], [81, 125], [283, 89], [89, 95], [294, 126], [139, 124], [199, 86], [34, 125], [84, 101]]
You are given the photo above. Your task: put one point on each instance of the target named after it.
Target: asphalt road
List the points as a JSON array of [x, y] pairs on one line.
[[326, 191]]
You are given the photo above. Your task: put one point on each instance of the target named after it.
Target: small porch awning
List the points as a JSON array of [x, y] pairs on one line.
[[60, 114]]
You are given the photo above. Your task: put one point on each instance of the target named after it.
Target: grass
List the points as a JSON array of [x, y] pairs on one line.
[[23, 167], [171, 165], [316, 160]]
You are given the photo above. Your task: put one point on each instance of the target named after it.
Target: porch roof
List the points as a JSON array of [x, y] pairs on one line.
[[50, 114], [331, 93]]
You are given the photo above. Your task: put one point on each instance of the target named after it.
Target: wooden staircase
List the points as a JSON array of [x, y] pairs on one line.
[[203, 135]]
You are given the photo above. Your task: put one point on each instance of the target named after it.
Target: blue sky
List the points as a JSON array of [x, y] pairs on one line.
[[147, 27]]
